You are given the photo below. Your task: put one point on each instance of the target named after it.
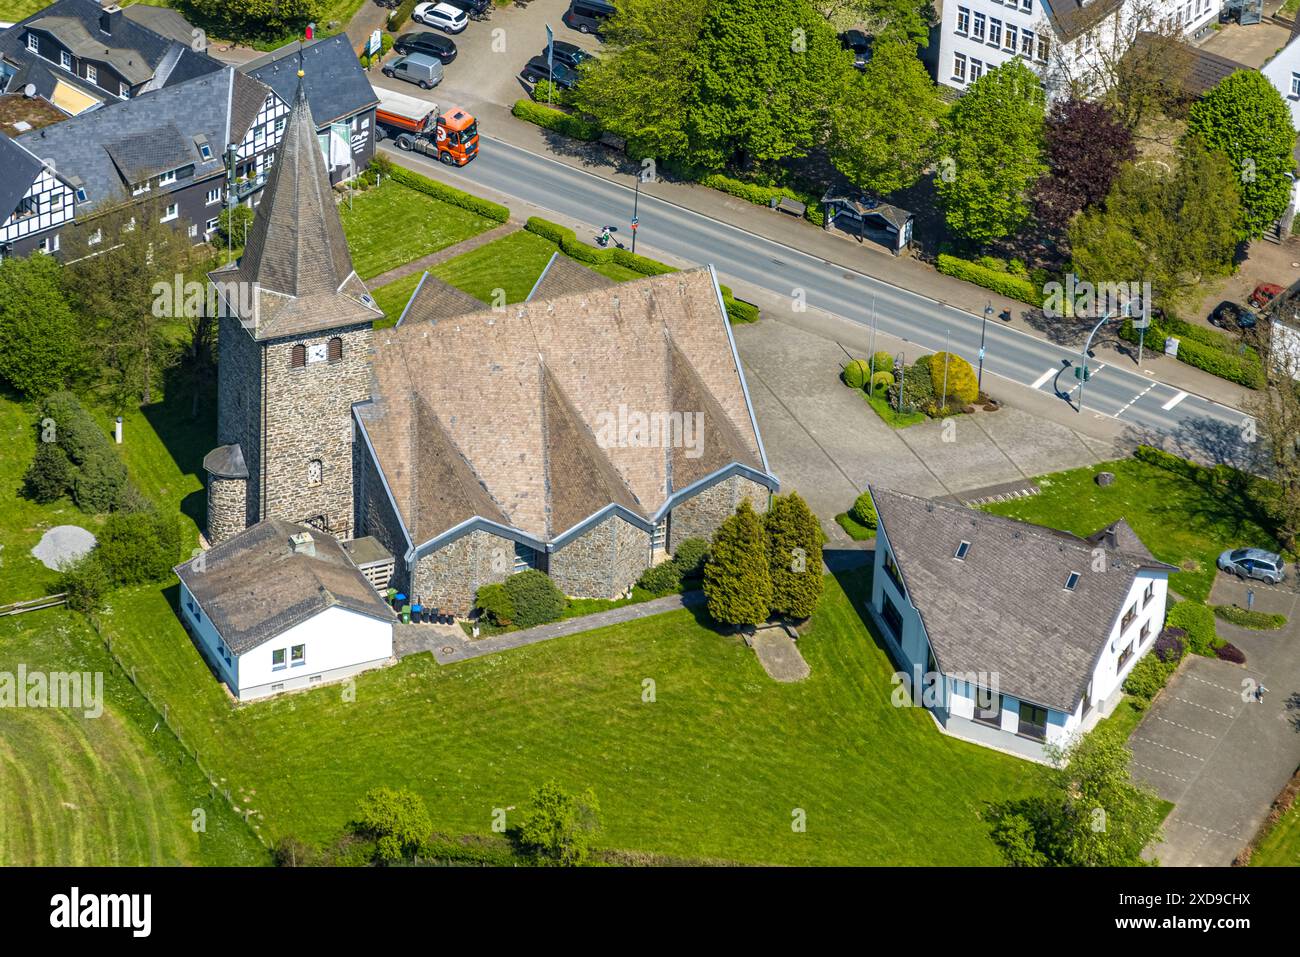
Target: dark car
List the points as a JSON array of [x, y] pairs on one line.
[[1253, 563], [566, 78], [1227, 315], [475, 9], [588, 16], [860, 45], [430, 44], [570, 54]]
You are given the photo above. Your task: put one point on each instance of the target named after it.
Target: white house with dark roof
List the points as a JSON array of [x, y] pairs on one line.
[[1012, 635], [281, 607]]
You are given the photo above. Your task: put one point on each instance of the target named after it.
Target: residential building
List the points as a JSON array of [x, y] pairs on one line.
[[1011, 635], [281, 607]]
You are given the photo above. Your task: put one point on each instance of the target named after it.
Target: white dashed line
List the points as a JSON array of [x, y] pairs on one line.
[[1039, 382], [1225, 714], [1135, 398], [1174, 401], [1159, 771], [1185, 754], [1214, 684], [1212, 737]]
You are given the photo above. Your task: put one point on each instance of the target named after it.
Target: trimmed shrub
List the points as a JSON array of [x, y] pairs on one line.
[[493, 602], [50, 476], [864, 511], [882, 362], [737, 580], [1013, 287], [1246, 618], [1230, 652], [1198, 621], [572, 247], [84, 582], [535, 598], [881, 381], [738, 311], [690, 556], [857, 374], [762, 195], [1170, 645], [449, 194], [1148, 677], [959, 376], [557, 121], [1206, 349], [662, 579], [138, 547]]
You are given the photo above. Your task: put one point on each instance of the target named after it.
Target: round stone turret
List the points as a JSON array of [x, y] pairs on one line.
[[227, 492]]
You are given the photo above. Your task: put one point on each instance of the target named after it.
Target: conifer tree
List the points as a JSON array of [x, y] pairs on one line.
[[737, 581], [794, 551]]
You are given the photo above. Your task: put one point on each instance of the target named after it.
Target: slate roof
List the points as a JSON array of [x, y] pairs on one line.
[[434, 300], [513, 415], [1073, 18], [564, 277], [896, 216], [109, 147], [1004, 609], [335, 83], [296, 256], [1199, 69], [20, 170], [254, 586], [226, 461]]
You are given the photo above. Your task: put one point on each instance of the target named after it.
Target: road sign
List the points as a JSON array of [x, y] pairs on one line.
[[374, 44]]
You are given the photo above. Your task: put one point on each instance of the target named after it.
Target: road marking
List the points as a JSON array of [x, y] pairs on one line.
[[1204, 707], [1194, 757], [1174, 401], [1186, 727], [1091, 375], [1160, 771], [1135, 398], [1038, 383]]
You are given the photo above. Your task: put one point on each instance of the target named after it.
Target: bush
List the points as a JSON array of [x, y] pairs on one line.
[[762, 195], [1148, 677], [1259, 620], [401, 15], [690, 556], [493, 601], [549, 94], [557, 121], [864, 511], [882, 362], [396, 819], [449, 194], [1013, 287], [84, 582], [916, 387], [662, 579], [857, 374], [738, 311], [1206, 349], [233, 225], [959, 376], [1198, 621], [100, 482], [535, 598], [1170, 645], [882, 381], [558, 827], [50, 476], [139, 547], [570, 245], [1230, 652]]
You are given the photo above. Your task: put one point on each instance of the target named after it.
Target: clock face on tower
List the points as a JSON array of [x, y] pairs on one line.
[[316, 353]]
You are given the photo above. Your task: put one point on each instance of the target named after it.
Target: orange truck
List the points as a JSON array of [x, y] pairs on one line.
[[414, 124]]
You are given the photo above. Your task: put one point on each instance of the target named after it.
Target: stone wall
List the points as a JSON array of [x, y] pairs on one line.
[[239, 404], [603, 561], [227, 508], [450, 577], [374, 513], [701, 514]]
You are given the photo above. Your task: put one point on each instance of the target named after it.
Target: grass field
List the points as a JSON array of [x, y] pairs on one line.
[[1181, 522], [11, 11], [389, 225], [1281, 848]]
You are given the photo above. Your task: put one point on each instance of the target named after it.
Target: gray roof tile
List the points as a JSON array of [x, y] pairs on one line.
[[335, 83]]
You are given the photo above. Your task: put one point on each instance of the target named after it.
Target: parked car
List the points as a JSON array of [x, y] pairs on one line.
[[562, 76], [570, 54], [1265, 293], [430, 44], [418, 68], [860, 44], [472, 8], [443, 16], [588, 16], [1228, 315], [1253, 563]]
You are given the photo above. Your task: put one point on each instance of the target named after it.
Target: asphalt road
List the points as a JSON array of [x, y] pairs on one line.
[[1148, 407]]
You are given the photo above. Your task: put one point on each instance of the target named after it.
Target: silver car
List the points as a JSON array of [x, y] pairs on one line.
[[416, 68], [1253, 563]]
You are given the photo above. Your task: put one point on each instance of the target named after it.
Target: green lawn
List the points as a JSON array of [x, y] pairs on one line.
[[390, 224], [1182, 521], [393, 297], [1281, 848], [891, 416], [853, 528]]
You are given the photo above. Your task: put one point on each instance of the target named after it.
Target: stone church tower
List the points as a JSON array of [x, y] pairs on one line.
[[294, 343]]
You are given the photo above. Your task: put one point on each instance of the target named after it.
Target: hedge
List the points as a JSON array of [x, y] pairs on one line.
[[1247, 618], [547, 117], [1152, 671], [450, 194], [1198, 621], [763, 195], [738, 311], [1203, 349], [401, 15], [1004, 284]]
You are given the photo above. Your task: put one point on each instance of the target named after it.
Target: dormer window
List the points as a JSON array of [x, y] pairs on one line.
[[33, 43], [962, 549], [167, 178], [92, 74], [1071, 580], [65, 59]]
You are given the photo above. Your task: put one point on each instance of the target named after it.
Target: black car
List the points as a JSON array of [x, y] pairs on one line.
[[588, 16], [570, 54], [430, 44], [566, 78], [1229, 314], [860, 44], [474, 9]]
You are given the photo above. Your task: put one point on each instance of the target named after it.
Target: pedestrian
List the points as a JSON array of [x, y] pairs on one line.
[[1259, 692]]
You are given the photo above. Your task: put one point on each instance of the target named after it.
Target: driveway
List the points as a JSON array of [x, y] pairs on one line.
[[1214, 751]]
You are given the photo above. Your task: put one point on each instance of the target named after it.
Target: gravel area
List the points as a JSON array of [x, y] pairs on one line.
[[63, 544]]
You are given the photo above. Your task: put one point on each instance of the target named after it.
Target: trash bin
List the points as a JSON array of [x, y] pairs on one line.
[[389, 596], [406, 614], [417, 613]]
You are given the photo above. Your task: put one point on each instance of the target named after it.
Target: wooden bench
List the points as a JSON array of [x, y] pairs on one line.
[[784, 204]]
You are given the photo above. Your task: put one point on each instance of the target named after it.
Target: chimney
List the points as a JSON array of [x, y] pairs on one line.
[[109, 15], [302, 544]]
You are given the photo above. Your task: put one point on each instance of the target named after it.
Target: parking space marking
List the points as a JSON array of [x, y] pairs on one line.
[[1185, 754], [1225, 714], [1159, 771], [1135, 398], [1174, 401], [1042, 379], [1202, 827], [1212, 737], [1214, 684]]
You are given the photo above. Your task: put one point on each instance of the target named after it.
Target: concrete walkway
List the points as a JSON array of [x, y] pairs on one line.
[[442, 255], [779, 656]]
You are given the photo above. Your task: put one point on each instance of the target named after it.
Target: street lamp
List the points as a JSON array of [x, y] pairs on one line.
[[979, 379], [1081, 373]]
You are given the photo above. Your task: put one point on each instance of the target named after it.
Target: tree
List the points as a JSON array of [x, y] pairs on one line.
[[558, 826], [794, 548], [888, 21], [762, 81], [1091, 814], [1150, 78], [42, 340], [1275, 411], [396, 819], [50, 475], [737, 578], [244, 19], [1244, 116], [1168, 228], [885, 130], [992, 142], [1085, 145], [198, 358], [84, 582]]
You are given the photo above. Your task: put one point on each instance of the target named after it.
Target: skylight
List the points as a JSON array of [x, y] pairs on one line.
[[1071, 581], [962, 549]]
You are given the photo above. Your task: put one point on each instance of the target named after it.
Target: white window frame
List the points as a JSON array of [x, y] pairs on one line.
[[65, 59], [976, 69], [33, 42], [172, 212], [214, 196], [959, 67], [995, 32], [50, 244], [1027, 44], [92, 74], [963, 21], [297, 656], [978, 27], [1295, 86], [1010, 38], [213, 224], [167, 178], [1043, 47], [284, 659]]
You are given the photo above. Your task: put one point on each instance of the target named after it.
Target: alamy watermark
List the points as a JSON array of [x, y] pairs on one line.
[[68, 691], [1083, 299], [631, 428]]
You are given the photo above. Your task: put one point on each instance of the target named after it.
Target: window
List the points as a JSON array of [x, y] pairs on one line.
[[1033, 721], [92, 74], [142, 188], [1071, 580], [659, 539], [96, 238], [335, 349], [167, 178], [1148, 594], [33, 43], [976, 69], [1009, 43], [214, 196], [123, 90], [298, 655], [314, 679], [1145, 633], [193, 231], [995, 32], [1027, 5], [50, 244], [892, 617], [205, 150], [277, 659], [1124, 656], [279, 124], [173, 210], [978, 31], [81, 194], [962, 549], [992, 715], [1027, 43], [277, 687], [1042, 48], [314, 472], [891, 569], [959, 67], [212, 225], [1295, 85], [963, 20], [1128, 617], [298, 357], [65, 59], [525, 557]]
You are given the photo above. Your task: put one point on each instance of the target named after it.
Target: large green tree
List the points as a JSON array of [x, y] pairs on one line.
[[43, 349], [888, 21], [737, 579], [396, 819], [794, 550], [764, 76], [1245, 117], [886, 128], [558, 827], [992, 154], [245, 19]]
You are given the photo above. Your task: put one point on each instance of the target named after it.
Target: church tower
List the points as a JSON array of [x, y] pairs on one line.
[[294, 345]]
